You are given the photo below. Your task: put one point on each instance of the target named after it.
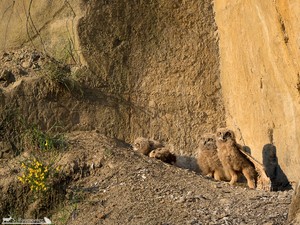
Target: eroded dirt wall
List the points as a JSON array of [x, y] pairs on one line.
[[154, 66], [259, 52], [161, 59]]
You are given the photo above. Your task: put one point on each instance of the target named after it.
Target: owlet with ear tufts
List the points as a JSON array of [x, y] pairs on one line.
[[208, 160], [232, 159]]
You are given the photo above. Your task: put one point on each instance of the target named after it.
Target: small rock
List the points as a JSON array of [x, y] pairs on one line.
[[36, 66], [110, 165], [274, 215], [242, 223], [189, 193], [217, 186], [181, 199], [225, 201], [92, 166], [21, 56], [26, 64]]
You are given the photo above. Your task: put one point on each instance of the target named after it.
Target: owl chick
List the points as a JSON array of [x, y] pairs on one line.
[[232, 159], [145, 145], [163, 154], [208, 160]]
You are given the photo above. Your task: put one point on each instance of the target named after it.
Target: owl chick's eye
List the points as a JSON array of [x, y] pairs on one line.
[[137, 145], [219, 133], [227, 134]]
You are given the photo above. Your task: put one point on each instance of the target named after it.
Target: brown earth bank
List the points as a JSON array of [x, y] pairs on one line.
[[103, 181]]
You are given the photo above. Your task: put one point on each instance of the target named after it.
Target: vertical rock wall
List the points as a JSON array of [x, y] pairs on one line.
[[259, 52], [159, 60]]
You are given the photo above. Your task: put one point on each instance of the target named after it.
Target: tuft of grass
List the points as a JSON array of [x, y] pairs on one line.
[[59, 78], [35, 138], [56, 71]]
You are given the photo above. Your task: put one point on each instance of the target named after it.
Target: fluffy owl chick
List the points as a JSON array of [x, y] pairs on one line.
[[163, 154], [232, 159], [208, 160], [145, 145]]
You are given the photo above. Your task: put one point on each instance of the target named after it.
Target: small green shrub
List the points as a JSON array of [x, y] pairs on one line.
[[56, 72], [35, 138]]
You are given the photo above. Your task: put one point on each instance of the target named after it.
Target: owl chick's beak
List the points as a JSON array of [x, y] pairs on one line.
[[221, 138]]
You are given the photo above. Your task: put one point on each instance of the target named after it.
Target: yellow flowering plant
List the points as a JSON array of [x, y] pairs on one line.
[[35, 174]]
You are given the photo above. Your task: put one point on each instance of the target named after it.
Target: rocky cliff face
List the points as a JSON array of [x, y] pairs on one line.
[[259, 52], [158, 69]]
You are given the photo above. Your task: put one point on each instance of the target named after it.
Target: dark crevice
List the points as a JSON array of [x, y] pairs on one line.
[[282, 25]]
